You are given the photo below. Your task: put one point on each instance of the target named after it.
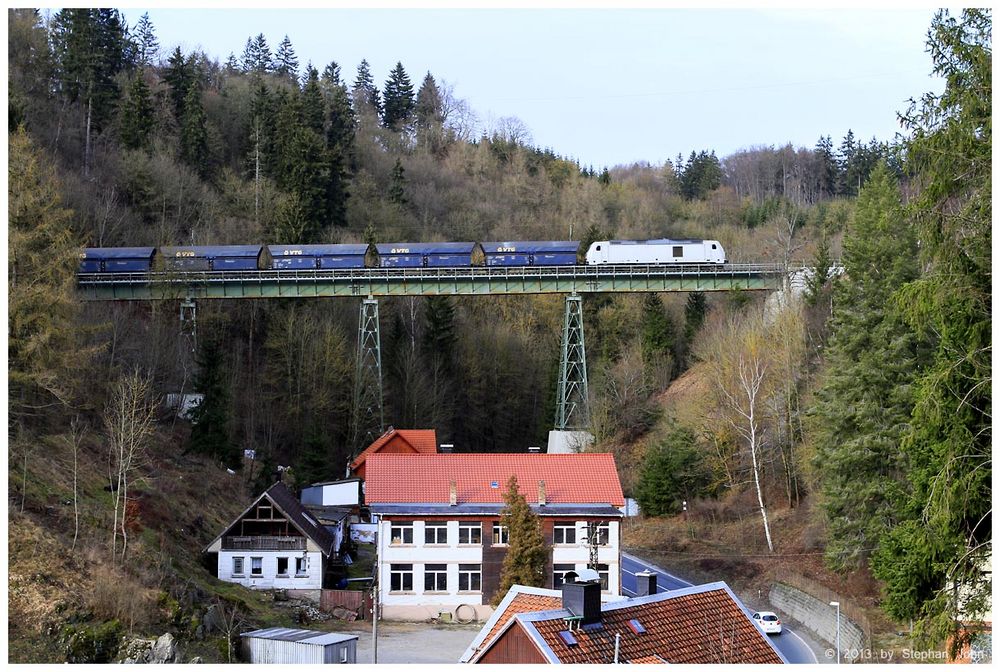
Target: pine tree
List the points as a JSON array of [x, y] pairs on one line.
[[146, 45], [847, 166], [524, 562], [137, 116], [694, 314], [397, 99], [194, 135], [826, 170], [673, 471], [312, 102], [232, 65], [605, 177], [210, 419], [820, 272], [397, 187], [286, 63], [257, 56], [428, 114], [658, 335], [365, 93], [42, 350], [439, 336], [867, 397], [179, 75]]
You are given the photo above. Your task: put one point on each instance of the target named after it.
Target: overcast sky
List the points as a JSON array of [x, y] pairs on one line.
[[610, 86]]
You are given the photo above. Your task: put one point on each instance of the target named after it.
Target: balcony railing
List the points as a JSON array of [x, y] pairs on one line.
[[263, 543]]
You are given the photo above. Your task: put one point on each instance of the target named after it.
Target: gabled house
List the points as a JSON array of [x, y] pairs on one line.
[[700, 624], [440, 544], [396, 442], [275, 543]]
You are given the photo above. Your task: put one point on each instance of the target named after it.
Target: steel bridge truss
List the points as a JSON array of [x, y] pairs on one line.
[[368, 420]]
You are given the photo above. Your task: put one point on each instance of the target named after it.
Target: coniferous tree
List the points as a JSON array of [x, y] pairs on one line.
[[365, 93], [605, 177], [867, 396], [179, 75], [194, 135], [312, 102], [658, 335], [826, 170], [820, 272], [694, 314], [439, 336], [524, 562], [137, 116], [397, 187], [397, 99], [210, 419], [847, 166], [428, 112], [147, 47], [286, 63], [257, 55], [232, 65], [673, 471]]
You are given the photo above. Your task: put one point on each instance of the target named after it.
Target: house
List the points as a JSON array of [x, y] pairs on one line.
[[440, 545], [281, 646], [396, 441], [275, 543], [700, 624], [335, 504]]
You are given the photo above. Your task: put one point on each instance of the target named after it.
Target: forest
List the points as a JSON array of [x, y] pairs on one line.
[[868, 404]]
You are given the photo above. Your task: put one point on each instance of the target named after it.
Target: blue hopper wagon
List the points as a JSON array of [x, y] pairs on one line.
[[212, 258], [117, 259], [297, 257], [435, 255], [531, 253]]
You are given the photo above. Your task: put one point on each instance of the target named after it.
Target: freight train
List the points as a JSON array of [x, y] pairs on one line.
[[397, 255]]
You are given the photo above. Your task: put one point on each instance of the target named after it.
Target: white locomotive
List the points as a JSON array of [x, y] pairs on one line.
[[660, 251]]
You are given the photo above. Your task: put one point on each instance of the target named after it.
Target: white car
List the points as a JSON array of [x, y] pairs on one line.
[[768, 622]]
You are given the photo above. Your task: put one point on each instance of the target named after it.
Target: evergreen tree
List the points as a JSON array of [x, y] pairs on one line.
[[657, 334], [286, 63], [397, 187], [312, 102], [439, 336], [137, 116], [524, 562], [694, 314], [946, 539], [194, 135], [397, 99], [428, 113], [820, 272], [307, 176], [257, 56], [702, 175], [339, 145], [179, 75], [673, 471], [605, 177], [147, 47], [866, 398], [848, 166], [826, 169], [232, 65], [210, 419], [42, 350], [366, 95], [314, 464]]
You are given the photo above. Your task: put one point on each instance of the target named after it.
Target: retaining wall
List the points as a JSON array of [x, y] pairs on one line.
[[819, 617]]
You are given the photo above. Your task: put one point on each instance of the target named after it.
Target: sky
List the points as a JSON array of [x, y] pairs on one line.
[[616, 86]]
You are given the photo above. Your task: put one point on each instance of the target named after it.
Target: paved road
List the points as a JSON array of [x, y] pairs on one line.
[[793, 646]]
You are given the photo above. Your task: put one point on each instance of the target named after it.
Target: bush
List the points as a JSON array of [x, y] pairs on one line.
[[91, 643], [673, 470]]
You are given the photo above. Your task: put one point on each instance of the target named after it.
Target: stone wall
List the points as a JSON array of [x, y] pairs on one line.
[[819, 617]]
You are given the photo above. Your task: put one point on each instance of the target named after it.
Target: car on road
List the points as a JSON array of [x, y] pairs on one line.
[[768, 622]]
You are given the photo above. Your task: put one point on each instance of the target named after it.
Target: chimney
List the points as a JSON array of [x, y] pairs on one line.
[[534, 449], [452, 493], [645, 583], [582, 597], [541, 493], [446, 448]]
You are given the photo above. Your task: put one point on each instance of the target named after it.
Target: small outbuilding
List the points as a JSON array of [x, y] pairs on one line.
[[282, 646]]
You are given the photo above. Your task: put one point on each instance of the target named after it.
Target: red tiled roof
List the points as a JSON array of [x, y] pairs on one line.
[[583, 478], [707, 626], [647, 660], [420, 440], [522, 603]]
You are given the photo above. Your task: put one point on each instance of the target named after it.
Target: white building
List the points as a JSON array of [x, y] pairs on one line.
[[440, 542], [281, 646], [274, 543]]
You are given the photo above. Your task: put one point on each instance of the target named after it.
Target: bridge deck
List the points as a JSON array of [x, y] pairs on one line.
[[428, 281]]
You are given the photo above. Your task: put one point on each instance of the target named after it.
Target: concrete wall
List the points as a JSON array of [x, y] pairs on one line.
[[819, 617]]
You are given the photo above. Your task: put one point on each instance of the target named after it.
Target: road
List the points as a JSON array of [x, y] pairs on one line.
[[796, 647]]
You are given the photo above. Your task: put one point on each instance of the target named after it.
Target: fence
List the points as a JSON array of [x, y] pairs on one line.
[[358, 601]]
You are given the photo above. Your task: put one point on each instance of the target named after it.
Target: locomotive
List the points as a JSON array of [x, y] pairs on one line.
[[398, 255]]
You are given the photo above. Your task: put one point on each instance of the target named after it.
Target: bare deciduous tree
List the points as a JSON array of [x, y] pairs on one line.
[[128, 420]]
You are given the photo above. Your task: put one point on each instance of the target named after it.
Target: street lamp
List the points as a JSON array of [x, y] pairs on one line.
[[837, 604]]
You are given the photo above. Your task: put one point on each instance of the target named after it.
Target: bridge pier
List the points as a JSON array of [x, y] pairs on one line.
[[367, 420], [189, 321], [572, 398]]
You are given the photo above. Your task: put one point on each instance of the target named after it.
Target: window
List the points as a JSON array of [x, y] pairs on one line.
[[301, 566], [436, 578], [470, 533], [436, 533], [401, 533], [713, 246], [501, 535], [559, 574], [237, 566], [602, 571], [343, 654], [564, 533], [470, 577], [678, 251], [257, 566], [282, 566], [400, 578], [599, 532]]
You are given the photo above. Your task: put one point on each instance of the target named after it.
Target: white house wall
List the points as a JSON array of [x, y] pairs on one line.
[[332, 494], [313, 579]]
